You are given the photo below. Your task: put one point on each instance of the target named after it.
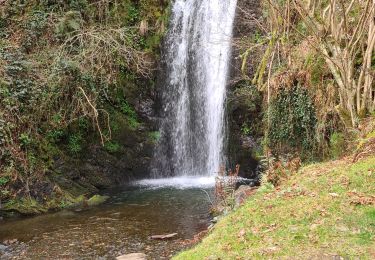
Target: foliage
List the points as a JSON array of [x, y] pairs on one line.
[[225, 185], [131, 114], [245, 104], [245, 129], [3, 181], [292, 120], [324, 46], [34, 28], [60, 69], [69, 23]]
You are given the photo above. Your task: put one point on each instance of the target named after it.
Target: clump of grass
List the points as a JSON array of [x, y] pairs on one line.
[[112, 147]]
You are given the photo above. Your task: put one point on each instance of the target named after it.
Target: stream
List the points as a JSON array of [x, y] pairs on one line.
[[122, 225]]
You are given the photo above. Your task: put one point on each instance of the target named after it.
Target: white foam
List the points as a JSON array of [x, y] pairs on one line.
[[184, 182]]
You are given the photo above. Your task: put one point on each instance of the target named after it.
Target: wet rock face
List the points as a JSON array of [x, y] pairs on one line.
[[241, 147], [145, 108], [99, 168]]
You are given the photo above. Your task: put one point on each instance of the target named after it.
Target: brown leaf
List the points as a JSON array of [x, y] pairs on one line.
[[361, 199], [242, 233]]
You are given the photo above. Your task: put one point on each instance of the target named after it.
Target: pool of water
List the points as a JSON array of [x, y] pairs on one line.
[[122, 225]]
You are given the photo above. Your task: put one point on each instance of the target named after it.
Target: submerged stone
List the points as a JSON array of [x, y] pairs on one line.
[[134, 256]]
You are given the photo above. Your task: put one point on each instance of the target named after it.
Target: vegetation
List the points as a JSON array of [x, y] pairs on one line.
[[66, 69], [324, 210], [316, 73], [74, 74]]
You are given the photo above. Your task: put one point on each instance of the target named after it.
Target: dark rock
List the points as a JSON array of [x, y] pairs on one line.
[[145, 108], [247, 182], [241, 147]]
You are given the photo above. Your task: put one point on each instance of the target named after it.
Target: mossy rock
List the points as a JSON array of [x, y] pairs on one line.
[[97, 200], [25, 207]]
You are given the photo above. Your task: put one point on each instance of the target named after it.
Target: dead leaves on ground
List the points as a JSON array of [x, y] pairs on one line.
[[357, 198]]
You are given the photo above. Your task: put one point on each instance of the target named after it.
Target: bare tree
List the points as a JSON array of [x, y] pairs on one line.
[[345, 33]]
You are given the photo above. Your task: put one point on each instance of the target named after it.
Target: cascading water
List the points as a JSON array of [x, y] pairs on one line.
[[197, 55]]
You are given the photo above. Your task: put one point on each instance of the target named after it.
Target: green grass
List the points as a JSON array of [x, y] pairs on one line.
[[312, 215]]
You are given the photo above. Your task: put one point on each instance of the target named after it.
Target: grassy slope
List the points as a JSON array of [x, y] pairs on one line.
[[312, 215]]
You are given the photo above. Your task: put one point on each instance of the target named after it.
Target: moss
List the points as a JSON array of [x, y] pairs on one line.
[[26, 206], [97, 200], [112, 147], [154, 136]]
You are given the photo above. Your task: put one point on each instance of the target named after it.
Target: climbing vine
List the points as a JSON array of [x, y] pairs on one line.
[[292, 120]]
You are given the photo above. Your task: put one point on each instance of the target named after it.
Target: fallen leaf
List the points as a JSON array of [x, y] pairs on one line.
[[242, 233]]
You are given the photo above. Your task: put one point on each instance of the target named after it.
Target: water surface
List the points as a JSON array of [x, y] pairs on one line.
[[121, 226]]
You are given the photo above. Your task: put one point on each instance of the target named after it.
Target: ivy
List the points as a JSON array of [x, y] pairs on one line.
[[292, 120], [34, 28]]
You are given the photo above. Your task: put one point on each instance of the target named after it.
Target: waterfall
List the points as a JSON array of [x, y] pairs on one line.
[[197, 52]]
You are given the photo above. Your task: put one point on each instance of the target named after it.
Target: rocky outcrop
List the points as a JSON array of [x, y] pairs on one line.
[[241, 147], [97, 168]]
